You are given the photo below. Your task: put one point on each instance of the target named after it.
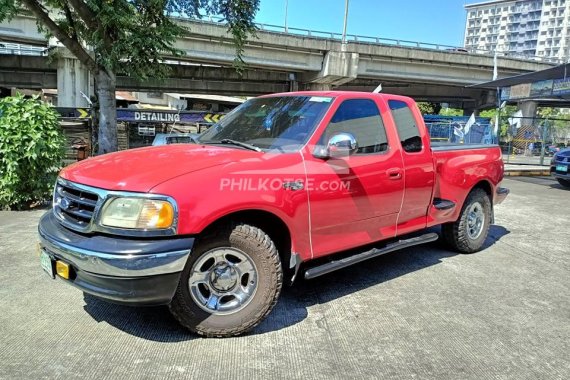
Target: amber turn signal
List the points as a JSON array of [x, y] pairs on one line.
[[62, 269]]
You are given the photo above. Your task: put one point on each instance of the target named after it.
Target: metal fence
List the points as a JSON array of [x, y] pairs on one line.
[[532, 141], [455, 132]]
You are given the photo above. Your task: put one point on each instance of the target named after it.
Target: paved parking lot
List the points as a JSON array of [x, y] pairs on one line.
[[503, 313]]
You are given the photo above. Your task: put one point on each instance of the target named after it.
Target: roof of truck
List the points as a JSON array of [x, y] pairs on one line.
[[332, 94]]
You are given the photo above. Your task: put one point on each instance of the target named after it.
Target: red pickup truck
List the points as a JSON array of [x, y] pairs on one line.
[[286, 185]]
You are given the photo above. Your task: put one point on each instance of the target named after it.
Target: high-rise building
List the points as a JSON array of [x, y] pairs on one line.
[[525, 27]]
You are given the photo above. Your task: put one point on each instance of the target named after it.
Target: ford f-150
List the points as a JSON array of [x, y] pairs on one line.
[[286, 185]]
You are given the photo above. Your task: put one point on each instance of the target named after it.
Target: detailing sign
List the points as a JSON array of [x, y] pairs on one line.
[[185, 117]]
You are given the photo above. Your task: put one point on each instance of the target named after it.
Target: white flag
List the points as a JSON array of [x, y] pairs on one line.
[[515, 120], [470, 123], [458, 132]]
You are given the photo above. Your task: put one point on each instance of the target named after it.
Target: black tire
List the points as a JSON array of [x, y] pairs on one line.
[[261, 250], [563, 182], [457, 234]]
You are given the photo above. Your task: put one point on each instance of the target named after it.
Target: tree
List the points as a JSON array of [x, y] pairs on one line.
[[451, 112], [127, 36], [429, 108], [558, 124], [505, 114]]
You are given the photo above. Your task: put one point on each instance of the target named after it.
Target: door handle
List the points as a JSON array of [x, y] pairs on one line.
[[394, 174]]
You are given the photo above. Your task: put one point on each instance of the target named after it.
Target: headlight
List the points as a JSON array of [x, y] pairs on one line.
[[139, 213]]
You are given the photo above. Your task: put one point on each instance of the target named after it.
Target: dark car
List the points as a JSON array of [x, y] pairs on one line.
[[559, 167]]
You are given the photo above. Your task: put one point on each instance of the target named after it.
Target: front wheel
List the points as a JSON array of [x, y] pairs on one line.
[[230, 283], [469, 232], [563, 182]]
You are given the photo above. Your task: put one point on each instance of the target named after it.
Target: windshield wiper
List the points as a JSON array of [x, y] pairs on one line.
[[241, 144]]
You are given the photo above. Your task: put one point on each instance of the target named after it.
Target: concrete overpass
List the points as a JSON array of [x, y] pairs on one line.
[[280, 62]]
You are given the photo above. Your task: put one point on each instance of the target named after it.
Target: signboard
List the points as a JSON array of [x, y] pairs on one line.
[[74, 113], [520, 91], [156, 116], [561, 86], [146, 131], [505, 93], [168, 117], [541, 88]]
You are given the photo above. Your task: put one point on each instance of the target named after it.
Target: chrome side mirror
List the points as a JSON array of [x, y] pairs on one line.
[[339, 145]]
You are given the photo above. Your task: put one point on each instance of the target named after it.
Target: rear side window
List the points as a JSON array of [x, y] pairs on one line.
[[361, 118], [406, 126]]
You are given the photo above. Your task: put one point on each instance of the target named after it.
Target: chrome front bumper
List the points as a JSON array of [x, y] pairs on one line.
[[125, 270]]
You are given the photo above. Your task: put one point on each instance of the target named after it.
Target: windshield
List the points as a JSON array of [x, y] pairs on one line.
[[283, 123]]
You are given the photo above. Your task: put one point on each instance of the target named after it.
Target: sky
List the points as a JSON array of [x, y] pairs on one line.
[[431, 21]]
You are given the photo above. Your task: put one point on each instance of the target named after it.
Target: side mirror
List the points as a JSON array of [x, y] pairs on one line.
[[339, 145]]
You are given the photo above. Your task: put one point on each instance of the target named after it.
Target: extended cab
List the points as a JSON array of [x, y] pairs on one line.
[[286, 185]]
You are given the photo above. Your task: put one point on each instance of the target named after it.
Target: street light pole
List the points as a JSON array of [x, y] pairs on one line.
[[345, 21], [286, 9]]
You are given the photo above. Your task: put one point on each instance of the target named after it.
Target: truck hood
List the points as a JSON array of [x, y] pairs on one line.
[[140, 170]]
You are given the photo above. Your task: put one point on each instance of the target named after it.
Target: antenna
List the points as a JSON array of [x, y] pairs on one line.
[[378, 89]]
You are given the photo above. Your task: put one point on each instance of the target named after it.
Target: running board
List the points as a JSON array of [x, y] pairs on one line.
[[443, 204], [374, 252]]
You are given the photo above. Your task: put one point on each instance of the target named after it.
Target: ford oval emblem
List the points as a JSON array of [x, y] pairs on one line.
[[64, 203]]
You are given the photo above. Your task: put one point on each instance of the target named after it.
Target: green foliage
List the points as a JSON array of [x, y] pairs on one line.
[[132, 36], [506, 112], [7, 9], [558, 123], [32, 147], [429, 108], [451, 112]]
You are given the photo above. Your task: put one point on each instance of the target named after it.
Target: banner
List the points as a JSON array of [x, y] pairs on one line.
[[561, 86], [505, 93], [541, 88], [168, 117], [520, 91]]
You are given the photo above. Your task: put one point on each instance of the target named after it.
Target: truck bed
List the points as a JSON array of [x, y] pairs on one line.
[[459, 167], [439, 146]]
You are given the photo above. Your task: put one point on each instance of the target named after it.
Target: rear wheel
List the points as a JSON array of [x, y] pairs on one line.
[[469, 232], [563, 182], [230, 283]]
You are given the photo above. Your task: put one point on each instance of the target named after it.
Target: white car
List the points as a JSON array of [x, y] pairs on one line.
[[174, 138]]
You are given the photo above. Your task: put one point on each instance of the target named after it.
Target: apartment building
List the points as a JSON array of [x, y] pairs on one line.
[[526, 27]]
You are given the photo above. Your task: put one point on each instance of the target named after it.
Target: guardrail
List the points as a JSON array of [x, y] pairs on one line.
[[22, 49], [380, 40]]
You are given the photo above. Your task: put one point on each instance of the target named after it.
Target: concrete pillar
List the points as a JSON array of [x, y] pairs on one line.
[[339, 67], [73, 78], [468, 111], [528, 108], [293, 86], [319, 87]]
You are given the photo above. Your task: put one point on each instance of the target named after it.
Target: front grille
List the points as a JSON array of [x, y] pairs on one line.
[[74, 206]]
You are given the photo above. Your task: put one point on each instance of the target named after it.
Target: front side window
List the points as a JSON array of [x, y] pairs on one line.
[[361, 118], [282, 123], [406, 125]]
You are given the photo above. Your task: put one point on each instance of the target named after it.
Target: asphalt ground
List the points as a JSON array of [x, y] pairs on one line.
[[425, 312]]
